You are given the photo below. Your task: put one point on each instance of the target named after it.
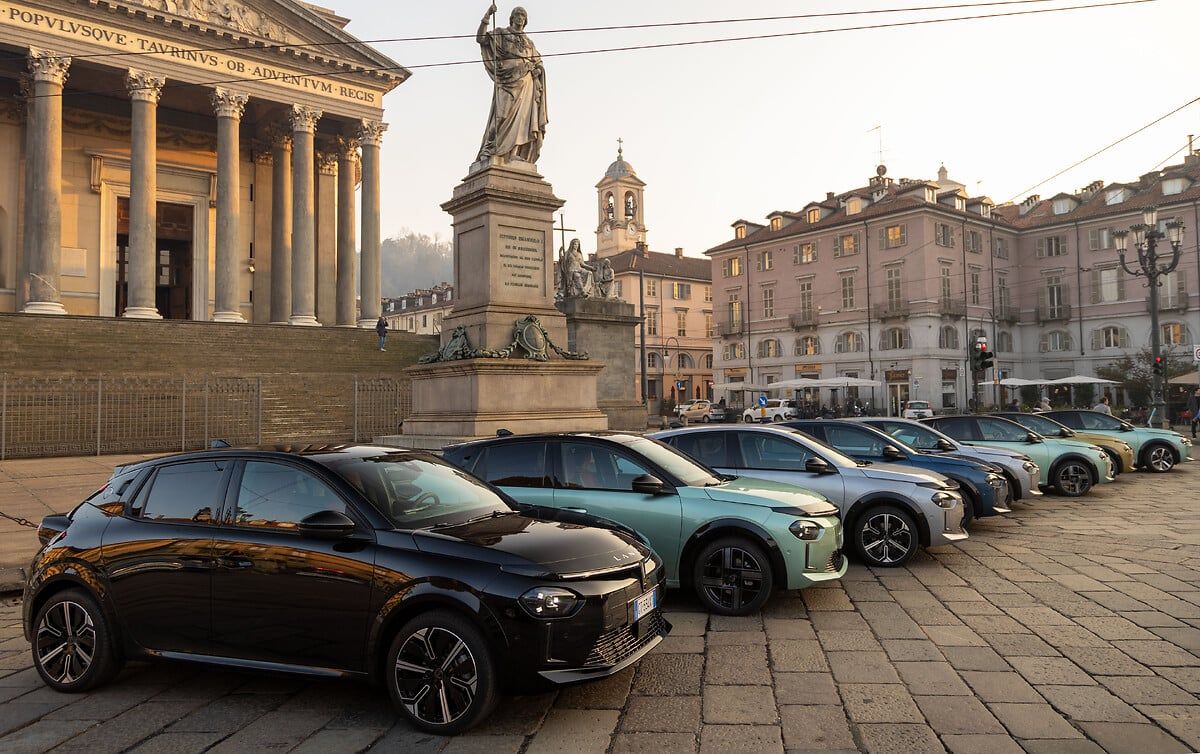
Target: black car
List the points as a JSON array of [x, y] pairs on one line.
[[338, 561]]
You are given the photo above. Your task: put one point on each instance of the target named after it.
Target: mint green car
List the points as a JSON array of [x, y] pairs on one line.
[[731, 539], [1157, 450], [1072, 468]]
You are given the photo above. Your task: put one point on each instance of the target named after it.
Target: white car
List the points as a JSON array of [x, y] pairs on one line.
[[776, 410], [917, 410]]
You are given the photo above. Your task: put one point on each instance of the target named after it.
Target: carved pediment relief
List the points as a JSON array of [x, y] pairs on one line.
[[233, 15]]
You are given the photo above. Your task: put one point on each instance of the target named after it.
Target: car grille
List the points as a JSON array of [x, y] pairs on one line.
[[614, 646], [834, 564]]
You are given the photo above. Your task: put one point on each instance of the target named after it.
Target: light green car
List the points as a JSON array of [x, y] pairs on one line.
[[1071, 468], [1157, 450], [731, 539]]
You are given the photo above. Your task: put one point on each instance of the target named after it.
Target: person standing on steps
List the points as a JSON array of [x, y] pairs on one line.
[[1194, 409], [381, 330]]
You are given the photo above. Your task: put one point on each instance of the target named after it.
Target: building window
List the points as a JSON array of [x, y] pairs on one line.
[[894, 339], [847, 292], [739, 232], [768, 303], [853, 206], [943, 235], [652, 389], [1004, 342], [948, 338], [651, 288], [806, 296], [805, 253], [1051, 246], [845, 244], [946, 282], [949, 394], [1056, 341], [1063, 206], [708, 294], [681, 291], [735, 310], [895, 286], [1174, 334], [974, 241], [768, 349], [1002, 292], [895, 236], [403, 303], [424, 321], [1110, 337], [809, 345], [975, 287], [814, 215], [1056, 295], [652, 360], [848, 342], [684, 361], [1108, 286], [652, 321], [776, 223], [1100, 238], [681, 323], [1172, 186], [1000, 248], [732, 267], [1115, 196], [708, 361], [708, 325], [765, 261]]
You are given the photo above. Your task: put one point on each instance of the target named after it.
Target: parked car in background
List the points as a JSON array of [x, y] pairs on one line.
[[337, 561], [702, 411], [983, 487], [917, 410], [776, 410], [731, 540], [1157, 450], [888, 511], [683, 406], [1021, 472], [1071, 468], [1120, 453]]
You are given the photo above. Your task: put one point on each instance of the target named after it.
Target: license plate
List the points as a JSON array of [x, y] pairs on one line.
[[645, 604]]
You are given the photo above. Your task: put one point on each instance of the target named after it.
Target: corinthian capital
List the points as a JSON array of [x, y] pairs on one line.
[[228, 104], [327, 162], [143, 87], [371, 132], [48, 66], [304, 118], [346, 148]]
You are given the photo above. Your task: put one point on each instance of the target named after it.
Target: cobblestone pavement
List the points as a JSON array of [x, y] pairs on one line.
[[1064, 627]]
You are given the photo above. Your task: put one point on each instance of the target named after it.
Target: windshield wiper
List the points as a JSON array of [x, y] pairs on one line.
[[493, 514]]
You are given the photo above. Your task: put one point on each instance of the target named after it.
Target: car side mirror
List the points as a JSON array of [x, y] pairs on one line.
[[649, 485], [327, 525], [891, 451], [817, 465], [1064, 432], [1126, 427], [1031, 437], [944, 444]]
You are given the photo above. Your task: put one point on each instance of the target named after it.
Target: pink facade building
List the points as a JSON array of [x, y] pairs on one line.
[[894, 280]]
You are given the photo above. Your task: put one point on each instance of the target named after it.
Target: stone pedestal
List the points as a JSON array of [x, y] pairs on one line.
[[603, 328]]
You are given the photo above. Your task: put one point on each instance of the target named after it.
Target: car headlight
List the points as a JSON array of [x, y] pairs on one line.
[[1030, 467], [550, 602], [996, 480], [805, 530], [944, 499]]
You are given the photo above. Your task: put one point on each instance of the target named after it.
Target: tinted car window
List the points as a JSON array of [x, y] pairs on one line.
[[1091, 420], [279, 496], [187, 492], [854, 441], [1039, 424], [706, 447], [998, 430], [595, 467], [515, 464], [959, 427], [762, 451], [1070, 418], [921, 438]]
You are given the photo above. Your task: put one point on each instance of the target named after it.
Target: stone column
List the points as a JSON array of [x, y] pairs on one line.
[[281, 228], [43, 233], [370, 134], [346, 252], [304, 240], [326, 259], [229, 107], [141, 272]]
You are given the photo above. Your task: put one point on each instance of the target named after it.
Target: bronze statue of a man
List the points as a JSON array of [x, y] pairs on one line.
[[517, 123]]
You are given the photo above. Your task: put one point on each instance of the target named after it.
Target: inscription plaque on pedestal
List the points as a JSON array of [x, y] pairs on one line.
[[522, 260]]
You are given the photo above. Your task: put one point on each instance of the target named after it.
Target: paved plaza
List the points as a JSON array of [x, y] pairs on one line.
[[1066, 626]]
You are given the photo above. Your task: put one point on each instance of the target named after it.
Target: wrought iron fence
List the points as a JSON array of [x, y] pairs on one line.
[[380, 405], [49, 416]]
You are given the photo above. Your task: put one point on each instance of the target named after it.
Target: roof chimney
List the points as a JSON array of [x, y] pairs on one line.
[[679, 252], [1029, 203], [829, 195]]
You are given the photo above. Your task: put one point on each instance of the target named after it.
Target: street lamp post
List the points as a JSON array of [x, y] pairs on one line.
[[1151, 266], [666, 352]]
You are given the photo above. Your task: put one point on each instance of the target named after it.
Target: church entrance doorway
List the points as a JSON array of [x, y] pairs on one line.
[[173, 243]]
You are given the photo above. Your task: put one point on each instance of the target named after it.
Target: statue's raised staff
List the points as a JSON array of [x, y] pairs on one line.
[[517, 123]]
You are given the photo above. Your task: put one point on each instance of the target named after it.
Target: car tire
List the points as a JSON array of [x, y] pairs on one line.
[[732, 576], [971, 503], [440, 673], [1158, 458], [1115, 460], [1072, 478], [704, 419], [747, 419], [71, 630], [886, 536]]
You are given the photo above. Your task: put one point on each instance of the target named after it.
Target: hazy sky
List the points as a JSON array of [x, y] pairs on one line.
[[740, 129]]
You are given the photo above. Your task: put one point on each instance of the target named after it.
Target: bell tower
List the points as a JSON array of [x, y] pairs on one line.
[[620, 211]]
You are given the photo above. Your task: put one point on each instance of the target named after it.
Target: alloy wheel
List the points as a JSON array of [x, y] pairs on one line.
[[1074, 479], [1161, 458], [732, 578], [886, 538], [436, 676], [66, 642]]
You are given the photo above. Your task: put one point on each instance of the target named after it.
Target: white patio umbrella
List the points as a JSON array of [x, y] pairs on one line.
[[1191, 378], [797, 384], [1079, 379], [1013, 382]]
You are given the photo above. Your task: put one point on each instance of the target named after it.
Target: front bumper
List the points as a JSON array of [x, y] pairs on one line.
[[946, 524], [809, 562], [613, 652]]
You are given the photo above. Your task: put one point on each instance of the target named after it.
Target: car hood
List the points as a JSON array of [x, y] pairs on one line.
[[533, 546], [768, 494], [1156, 433], [889, 472], [978, 451], [949, 463]]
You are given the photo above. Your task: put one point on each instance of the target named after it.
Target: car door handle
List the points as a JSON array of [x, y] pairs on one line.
[[576, 510], [235, 563]]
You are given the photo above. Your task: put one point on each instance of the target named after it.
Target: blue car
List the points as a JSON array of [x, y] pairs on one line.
[[981, 484]]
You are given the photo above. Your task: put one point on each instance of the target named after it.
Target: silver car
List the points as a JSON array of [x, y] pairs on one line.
[[1022, 473], [887, 510]]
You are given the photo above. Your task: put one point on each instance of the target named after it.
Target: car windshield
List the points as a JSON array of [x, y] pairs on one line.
[[917, 435], [682, 467], [918, 404], [415, 491], [1039, 424], [1096, 420]]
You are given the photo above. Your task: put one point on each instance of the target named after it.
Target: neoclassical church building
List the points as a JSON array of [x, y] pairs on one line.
[[189, 159]]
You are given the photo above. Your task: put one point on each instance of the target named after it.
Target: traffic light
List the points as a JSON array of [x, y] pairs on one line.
[[1159, 369], [985, 357]]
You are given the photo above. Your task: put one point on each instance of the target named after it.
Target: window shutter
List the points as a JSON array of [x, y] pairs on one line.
[[907, 339], [1097, 340], [1094, 239], [1044, 344], [1096, 282], [1067, 344], [883, 340], [883, 237], [1120, 285], [1180, 286], [1124, 338], [1041, 248]]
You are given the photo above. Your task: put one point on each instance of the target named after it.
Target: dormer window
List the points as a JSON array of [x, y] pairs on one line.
[[853, 206], [1116, 196], [1063, 206], [776, 223], [1172, 186], [930, 195], [814, 215], [739, 231], [435, 298]]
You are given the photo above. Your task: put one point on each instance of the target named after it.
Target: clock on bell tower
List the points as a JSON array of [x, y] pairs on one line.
[[621, 222]]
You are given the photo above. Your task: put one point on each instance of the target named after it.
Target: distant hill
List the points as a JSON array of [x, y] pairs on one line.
[[415, 260]]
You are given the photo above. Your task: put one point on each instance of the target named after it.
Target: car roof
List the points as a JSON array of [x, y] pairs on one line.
[[605, 434], [322, 453]]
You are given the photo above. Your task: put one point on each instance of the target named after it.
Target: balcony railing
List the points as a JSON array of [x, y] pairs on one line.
[[1007, 313], [1176, 303], [731, 328], [1053, 312], [803, 319], [952, 307], [891, 309]]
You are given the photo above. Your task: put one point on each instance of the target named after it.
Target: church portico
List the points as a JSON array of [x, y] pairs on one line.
[[119, 115]]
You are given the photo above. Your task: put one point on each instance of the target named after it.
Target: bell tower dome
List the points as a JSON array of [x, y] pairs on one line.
[[621, 213]]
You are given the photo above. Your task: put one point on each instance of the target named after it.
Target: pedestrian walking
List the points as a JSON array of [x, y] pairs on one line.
[[1044, 405], [1194, 410], [1102, 407], [381, 330]]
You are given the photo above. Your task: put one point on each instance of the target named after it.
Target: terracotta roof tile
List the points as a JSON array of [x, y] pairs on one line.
[[663, 265]]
